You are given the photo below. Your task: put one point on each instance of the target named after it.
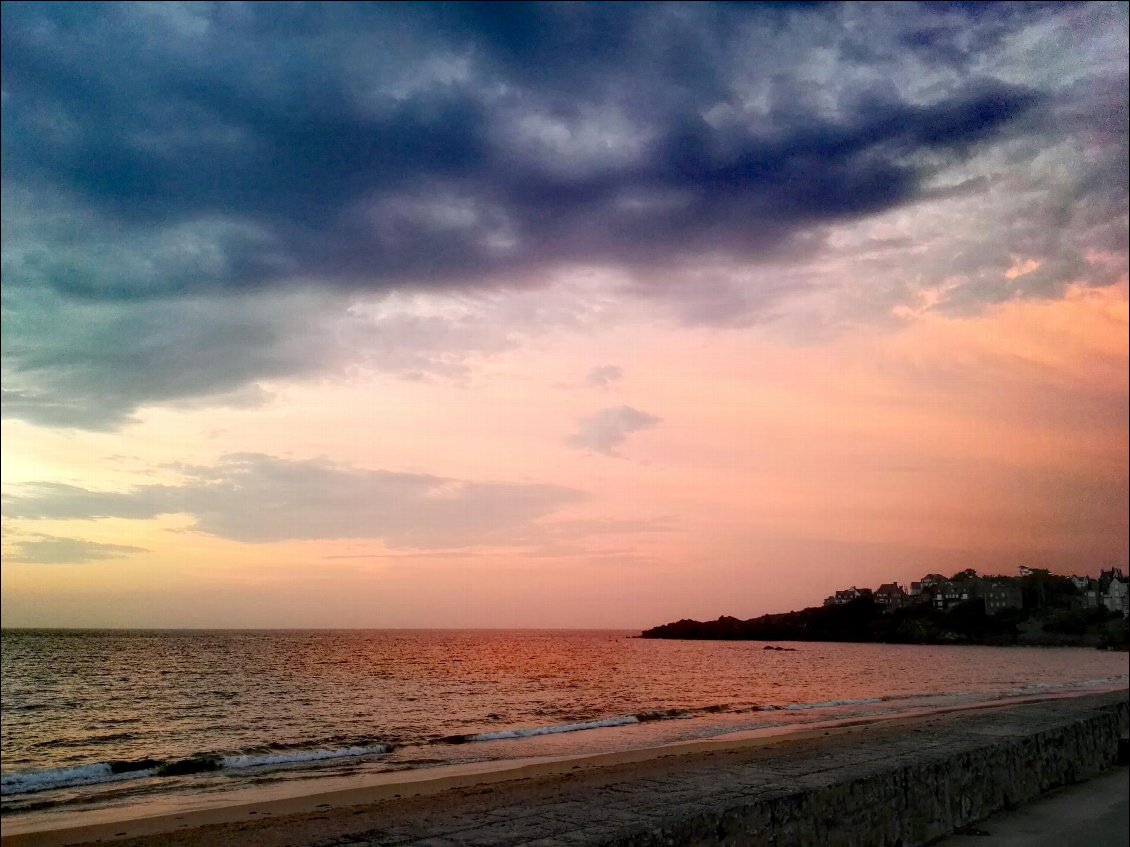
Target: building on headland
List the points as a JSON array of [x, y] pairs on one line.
[[840, 598], [944, 594], [1090, 595], [922, 590], [949, 593], [891, 596], [1117, 597], [999, 594], [1109, 591], [1113, 589]]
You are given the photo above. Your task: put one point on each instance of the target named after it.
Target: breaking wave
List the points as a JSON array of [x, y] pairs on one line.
[[256, 760], [30, 782], [343, 747]]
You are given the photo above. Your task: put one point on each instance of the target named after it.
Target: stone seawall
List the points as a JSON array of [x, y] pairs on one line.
[[991, 761]]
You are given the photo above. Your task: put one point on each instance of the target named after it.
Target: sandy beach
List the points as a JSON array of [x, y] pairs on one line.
[[313, 810], [387, 807]]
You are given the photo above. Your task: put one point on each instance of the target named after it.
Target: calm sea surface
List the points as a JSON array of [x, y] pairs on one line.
[[93, 719]]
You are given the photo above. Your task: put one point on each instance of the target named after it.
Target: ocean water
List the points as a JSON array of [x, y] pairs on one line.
[[110, 718]]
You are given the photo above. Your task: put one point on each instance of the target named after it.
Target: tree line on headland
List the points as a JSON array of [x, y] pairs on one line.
[[1051, 614]]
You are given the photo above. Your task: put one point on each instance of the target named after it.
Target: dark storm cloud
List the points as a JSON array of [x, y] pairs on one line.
[[155, 152], [334, 171], [256, 498]]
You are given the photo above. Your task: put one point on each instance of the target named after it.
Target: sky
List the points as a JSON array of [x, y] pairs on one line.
[[563, 315]]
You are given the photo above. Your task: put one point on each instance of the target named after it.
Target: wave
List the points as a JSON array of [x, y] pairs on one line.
[[260, 760], [662, 714], [683, 713], [281, 755], [31, 782]]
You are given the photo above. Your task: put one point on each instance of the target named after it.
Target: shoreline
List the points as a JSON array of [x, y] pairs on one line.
[[159, 818]]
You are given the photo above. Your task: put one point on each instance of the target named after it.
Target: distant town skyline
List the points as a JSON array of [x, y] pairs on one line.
[[554, 315]]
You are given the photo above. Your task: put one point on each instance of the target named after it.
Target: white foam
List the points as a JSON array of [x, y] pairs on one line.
[[552, 730], [255, 760], [32, 781]]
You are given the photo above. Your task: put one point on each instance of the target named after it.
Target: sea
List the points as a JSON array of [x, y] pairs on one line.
[[103, 719]]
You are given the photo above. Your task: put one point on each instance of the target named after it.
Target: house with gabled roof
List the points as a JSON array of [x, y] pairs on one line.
[[841, 598], [890, 596]]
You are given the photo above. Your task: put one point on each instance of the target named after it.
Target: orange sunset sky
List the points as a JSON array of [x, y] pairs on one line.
[[554, 316]]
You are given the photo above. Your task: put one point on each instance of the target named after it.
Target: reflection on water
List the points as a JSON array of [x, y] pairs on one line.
[[93, 716]]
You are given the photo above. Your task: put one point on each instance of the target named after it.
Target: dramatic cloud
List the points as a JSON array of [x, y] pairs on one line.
[[222, 155], [93, 364], [607, 429], [256, 498], [36, 549], [235, 173]]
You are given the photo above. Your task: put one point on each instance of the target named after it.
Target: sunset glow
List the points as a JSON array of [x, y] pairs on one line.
[[386, 317]]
